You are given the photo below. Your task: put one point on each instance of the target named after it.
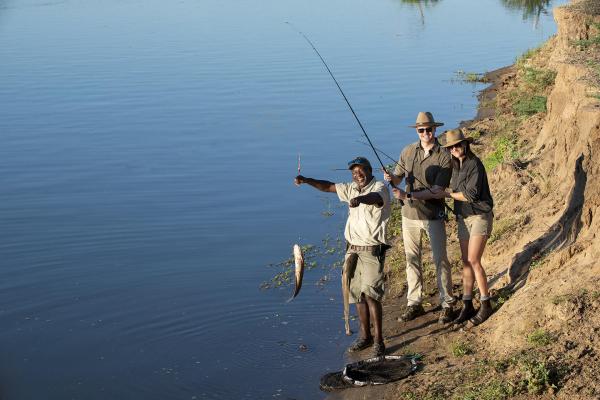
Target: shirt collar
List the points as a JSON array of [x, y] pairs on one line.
[[366, 188], [435, 149]]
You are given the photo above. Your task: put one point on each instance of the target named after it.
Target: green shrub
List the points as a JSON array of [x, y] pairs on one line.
[[494, 390], [460, 349], [538, 79], [529, 105], [540, 337]]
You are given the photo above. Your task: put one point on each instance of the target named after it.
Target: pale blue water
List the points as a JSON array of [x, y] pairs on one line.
[[146, 161]]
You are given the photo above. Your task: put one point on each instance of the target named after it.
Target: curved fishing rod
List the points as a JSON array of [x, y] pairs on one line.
[[405, 170], [342, 92]]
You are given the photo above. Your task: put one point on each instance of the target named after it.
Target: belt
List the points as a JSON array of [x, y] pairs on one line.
[[363, 248]]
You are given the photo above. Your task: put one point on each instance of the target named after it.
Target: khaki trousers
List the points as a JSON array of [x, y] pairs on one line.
[[413, 246]]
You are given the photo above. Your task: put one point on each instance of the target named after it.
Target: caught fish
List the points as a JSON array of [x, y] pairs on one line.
[[347, 274], [299, 270]]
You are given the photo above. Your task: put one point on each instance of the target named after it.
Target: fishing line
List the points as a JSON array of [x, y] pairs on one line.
[[341, 91], [405, 170]]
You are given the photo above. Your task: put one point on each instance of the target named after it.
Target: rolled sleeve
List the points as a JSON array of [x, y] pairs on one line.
[[343, 191], [473, 184], [382, 190]]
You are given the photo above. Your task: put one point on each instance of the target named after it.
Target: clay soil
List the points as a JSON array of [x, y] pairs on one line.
[[542, 259]]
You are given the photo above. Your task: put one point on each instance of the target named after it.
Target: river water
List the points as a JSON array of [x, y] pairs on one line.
[[146, 163]]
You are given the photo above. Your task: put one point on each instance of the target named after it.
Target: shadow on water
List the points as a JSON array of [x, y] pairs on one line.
[[420, 4], [532, 9]]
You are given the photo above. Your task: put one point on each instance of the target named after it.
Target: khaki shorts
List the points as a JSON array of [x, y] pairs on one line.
[[475, 225], [368, 277]]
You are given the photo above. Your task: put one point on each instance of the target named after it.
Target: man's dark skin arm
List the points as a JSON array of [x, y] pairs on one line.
[[326, 186], [323, 186], [368, 199]]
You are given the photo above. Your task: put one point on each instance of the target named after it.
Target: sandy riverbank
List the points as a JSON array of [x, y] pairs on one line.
[[538, 132]]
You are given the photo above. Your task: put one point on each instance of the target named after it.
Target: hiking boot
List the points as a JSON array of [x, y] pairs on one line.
[[484, 313], [411, 313], [447, 315], [379, 349], [360, 344], [466, 312]]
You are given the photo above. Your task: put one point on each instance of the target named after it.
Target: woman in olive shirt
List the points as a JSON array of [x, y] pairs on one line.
[[473, 205]]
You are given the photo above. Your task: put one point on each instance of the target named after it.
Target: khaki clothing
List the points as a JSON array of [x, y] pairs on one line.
[[475, 225], [367, 278], [432, 168], [366, 224], [411, 235]]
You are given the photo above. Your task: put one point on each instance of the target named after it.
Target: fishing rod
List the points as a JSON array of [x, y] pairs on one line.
[[342, 92], [405, 170]]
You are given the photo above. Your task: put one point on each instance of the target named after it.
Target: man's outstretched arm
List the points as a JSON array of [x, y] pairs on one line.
[[323, 186]]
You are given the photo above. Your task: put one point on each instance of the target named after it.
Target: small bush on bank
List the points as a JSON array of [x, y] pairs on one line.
[[529, 105], [540, 337], [460, 349]]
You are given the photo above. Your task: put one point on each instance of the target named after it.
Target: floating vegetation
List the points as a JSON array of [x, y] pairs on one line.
[[471, 77], [326, 256]]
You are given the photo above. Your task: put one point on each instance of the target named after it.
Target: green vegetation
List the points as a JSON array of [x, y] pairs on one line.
[[538, 79], [494, 390], [537, 376], [540, 337], [471, 77], [527, 106], [503, 226], [537, 261], [593, 41], [501, 297], [524, 58], [460, 349], [506, 149]]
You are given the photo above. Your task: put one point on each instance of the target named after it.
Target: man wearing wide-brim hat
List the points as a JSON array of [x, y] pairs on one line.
[[426, 169]]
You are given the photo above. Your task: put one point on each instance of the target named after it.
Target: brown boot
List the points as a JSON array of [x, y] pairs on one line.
[[467, 312], [484, 313]]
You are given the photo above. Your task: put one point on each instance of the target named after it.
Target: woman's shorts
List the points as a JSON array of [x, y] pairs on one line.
[[475, 225]]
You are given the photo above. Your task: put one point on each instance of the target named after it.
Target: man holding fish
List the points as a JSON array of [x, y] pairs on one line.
[[363, 276]]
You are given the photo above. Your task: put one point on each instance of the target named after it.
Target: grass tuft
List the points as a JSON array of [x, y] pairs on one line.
[[540, 338], [526, 106], [460, 349]]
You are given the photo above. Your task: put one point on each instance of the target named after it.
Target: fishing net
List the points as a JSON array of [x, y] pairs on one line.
[[372, 371], [333, 381]]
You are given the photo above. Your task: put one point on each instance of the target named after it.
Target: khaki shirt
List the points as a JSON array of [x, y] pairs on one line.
[[366, 224], [434, 169]]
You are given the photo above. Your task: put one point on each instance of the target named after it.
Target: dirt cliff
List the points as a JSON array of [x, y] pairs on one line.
[[538, 133]]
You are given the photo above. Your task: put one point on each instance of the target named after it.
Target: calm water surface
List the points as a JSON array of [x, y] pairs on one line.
[[146, 163]]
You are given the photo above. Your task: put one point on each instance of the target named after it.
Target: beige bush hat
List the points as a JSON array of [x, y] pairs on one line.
[[454, 136], [425, 119]]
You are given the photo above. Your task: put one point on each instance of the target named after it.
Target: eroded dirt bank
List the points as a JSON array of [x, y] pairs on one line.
[[538, 132]]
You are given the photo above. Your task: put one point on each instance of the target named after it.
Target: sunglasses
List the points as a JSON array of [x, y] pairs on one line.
[[423, 130], [455, 146]]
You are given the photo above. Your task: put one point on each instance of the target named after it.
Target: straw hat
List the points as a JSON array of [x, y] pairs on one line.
[[425, 119], [455, 136]]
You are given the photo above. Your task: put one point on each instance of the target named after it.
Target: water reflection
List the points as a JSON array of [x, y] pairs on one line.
[[420, 4], [532, 9]]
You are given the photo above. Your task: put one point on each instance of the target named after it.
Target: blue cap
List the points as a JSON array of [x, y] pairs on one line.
[[359, 161]]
